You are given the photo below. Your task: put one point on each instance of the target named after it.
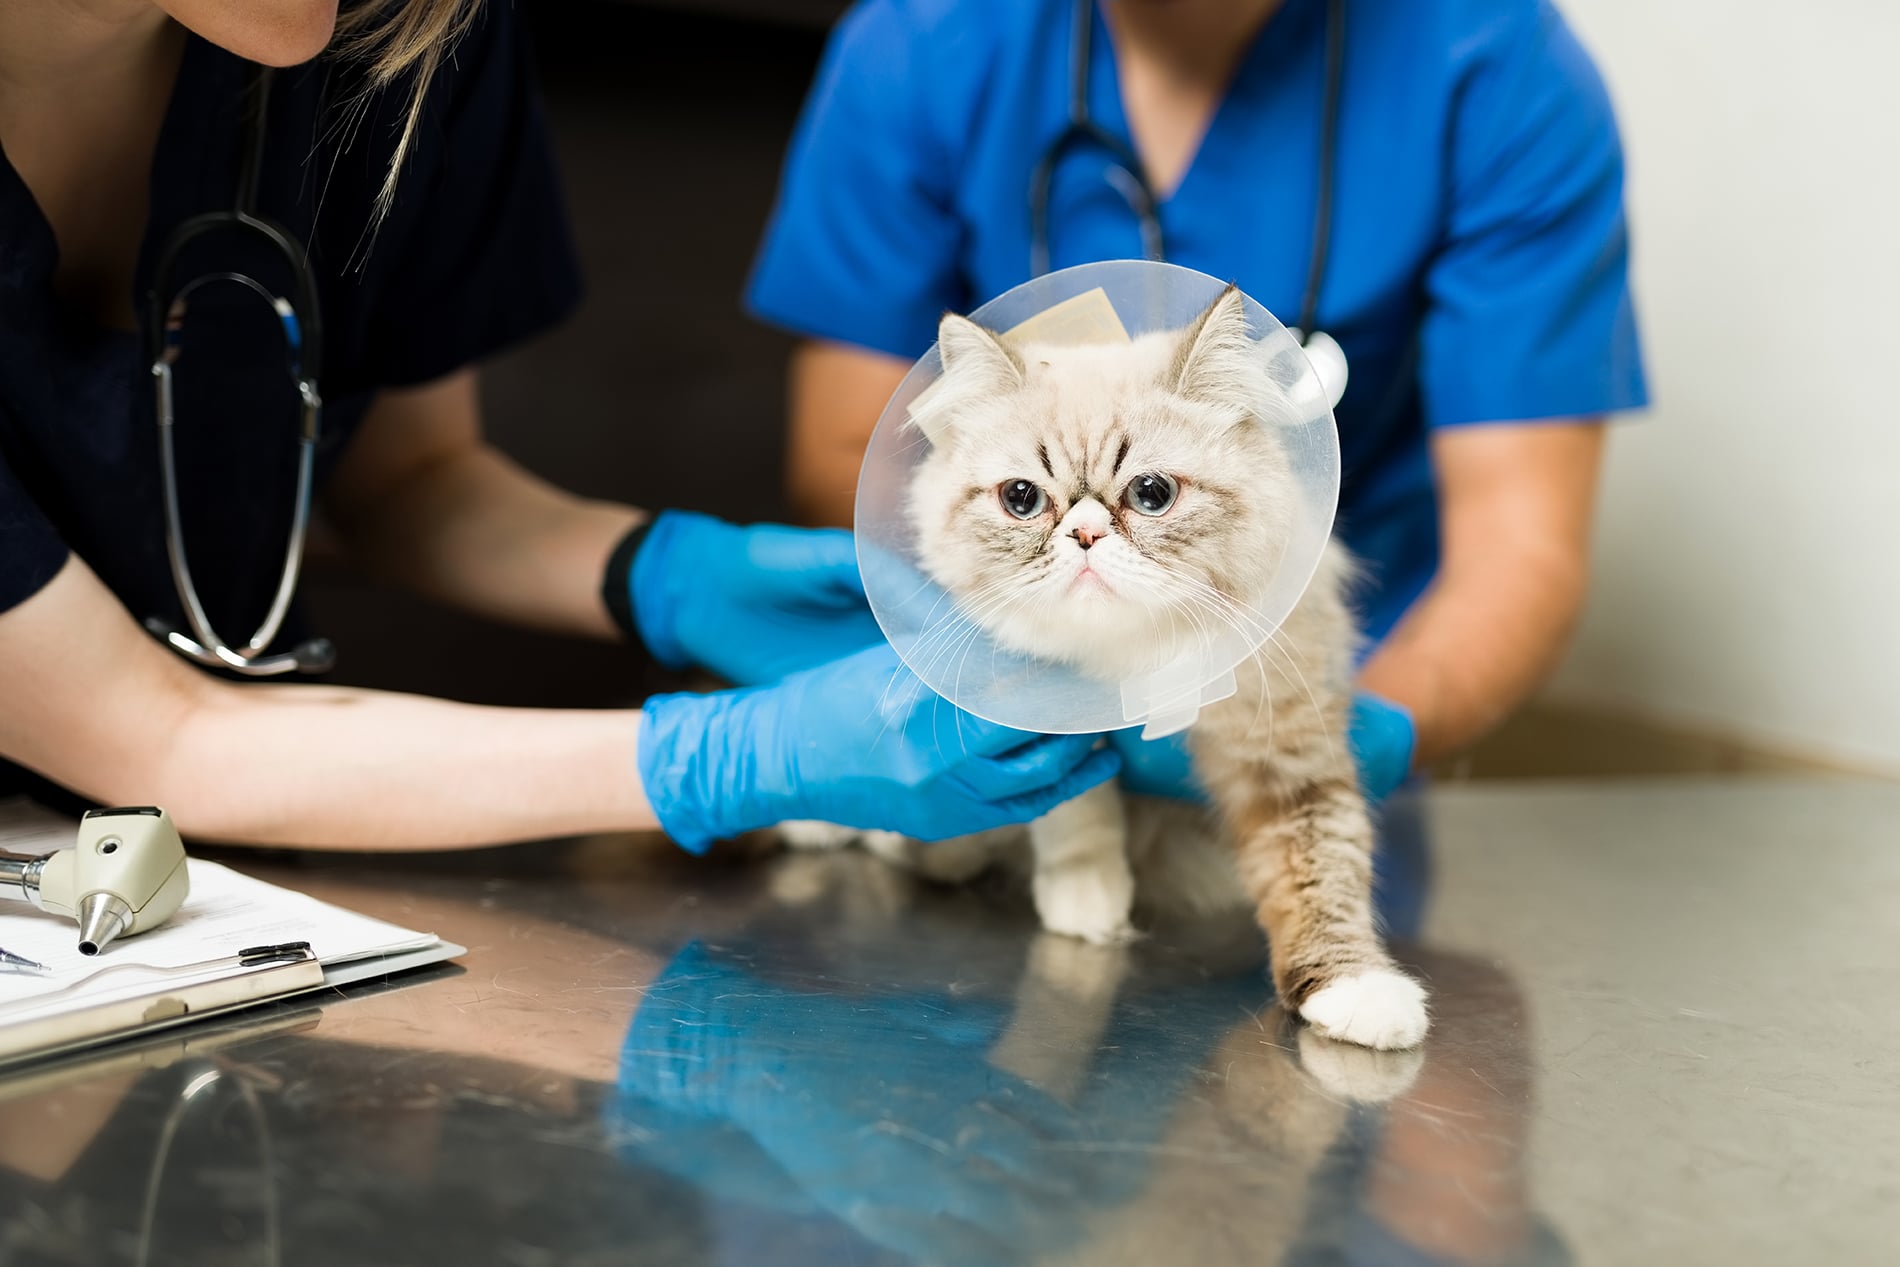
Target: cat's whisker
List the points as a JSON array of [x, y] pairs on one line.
[[1204, 598], [964, 623], [970, 612], [1201, 596], [957, 676], [977, 597], [1293, 664], [954, 636]]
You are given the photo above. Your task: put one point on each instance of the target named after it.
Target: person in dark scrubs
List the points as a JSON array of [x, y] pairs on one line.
[[410, 162]]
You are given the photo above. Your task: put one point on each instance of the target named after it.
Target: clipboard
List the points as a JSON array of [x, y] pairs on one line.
[[131, 999], [186, 969]]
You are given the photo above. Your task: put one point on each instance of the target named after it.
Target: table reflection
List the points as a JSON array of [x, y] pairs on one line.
[[802, 1059]]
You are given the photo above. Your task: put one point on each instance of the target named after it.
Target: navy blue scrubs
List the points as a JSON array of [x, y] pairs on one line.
[[475, 255]]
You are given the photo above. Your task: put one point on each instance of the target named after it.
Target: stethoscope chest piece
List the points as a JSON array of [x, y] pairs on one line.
[[1329, 363]]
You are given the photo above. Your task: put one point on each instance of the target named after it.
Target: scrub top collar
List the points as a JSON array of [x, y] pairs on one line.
[[1295, 30]]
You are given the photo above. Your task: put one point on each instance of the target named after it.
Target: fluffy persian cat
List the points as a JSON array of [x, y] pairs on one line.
[[1091, 504]]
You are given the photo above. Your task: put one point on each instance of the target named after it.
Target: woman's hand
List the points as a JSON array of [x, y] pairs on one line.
[[751, 604], [860, 742]]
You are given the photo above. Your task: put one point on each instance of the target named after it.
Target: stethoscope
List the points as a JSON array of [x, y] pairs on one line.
[[299, 318], [1126, 174]]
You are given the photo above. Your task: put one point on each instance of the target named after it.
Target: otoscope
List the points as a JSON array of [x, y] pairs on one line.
[[125, 875]]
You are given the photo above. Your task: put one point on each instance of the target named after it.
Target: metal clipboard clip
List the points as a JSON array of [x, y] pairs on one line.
[[128, 1000]]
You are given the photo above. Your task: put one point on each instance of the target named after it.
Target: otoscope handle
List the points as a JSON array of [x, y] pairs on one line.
[[20, 876]]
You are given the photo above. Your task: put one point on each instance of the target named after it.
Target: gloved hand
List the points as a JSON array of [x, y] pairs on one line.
[[749, 603], [860, 742], [1382, 738]]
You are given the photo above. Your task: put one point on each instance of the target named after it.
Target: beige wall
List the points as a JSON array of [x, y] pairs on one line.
[[1750, 539]]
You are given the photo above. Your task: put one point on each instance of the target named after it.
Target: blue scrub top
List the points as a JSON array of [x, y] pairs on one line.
[[1479, 266]]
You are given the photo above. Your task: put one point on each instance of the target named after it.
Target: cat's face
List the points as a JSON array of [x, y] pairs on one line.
[[1103, 506]]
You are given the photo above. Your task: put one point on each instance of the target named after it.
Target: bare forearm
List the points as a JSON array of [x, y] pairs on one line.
[[1515, 503], [96, 705], [823, 490], [321, 767], [1477, 645], [835, 394]]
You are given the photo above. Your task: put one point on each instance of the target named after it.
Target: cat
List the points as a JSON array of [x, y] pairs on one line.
[[1099, 506]]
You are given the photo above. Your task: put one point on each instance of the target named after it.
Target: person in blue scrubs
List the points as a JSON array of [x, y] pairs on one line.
[[1476, 278], [412, 174]]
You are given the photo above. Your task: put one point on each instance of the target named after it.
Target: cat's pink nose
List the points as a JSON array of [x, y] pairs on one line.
[[1086, 537]]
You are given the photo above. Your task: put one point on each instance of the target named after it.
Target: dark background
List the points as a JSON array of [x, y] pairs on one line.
[[670, 122]]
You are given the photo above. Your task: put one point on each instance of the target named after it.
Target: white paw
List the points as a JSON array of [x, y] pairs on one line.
[[1090, 902], [1359, 1074], [806, 834], [1380, 1008]]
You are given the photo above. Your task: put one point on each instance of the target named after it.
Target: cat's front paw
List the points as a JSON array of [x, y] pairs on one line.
[[1376, 1008], [1090, 901]]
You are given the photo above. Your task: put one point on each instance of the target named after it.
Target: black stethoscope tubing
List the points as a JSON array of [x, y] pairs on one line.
[[1081, 130]]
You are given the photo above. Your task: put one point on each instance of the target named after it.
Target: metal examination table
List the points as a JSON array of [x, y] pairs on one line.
[[1667, 1030]]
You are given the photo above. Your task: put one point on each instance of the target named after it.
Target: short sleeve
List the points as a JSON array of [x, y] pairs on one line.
[[1528, 300], [31, 550], [862, 244], [485, 258]]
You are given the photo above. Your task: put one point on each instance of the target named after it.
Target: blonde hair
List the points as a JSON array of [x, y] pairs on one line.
[[392, 37]]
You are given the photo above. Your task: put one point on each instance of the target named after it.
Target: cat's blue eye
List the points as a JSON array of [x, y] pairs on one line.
[[1151, 494], [1022, 498]]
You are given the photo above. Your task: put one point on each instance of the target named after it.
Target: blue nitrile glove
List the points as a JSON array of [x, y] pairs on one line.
[[749, 603], [1381, 736], [1156, 767], [1382, 741], [860, 742]]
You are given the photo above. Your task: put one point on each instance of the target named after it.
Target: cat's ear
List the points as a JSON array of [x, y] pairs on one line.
[[976, 357], [977, 367], [1218, 362]]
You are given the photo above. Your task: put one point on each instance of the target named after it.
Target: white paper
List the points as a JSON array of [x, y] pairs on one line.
[[226, 912]]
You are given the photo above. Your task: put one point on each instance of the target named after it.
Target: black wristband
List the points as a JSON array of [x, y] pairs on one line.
[[616, 586]]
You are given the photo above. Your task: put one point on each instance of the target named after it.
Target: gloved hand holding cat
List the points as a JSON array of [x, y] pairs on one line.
[[858, 742]]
